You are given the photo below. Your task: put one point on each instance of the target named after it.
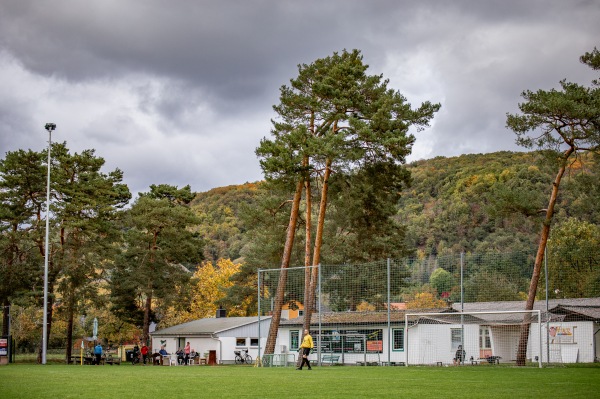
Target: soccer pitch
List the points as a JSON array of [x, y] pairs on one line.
[[126, 381]]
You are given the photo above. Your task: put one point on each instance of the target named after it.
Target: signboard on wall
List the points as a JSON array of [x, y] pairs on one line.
[[3, 347], [352, 341], [562, 334], [374, 346]]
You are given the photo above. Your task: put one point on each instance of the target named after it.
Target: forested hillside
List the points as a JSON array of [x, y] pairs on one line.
[[470, 203], [220, 223], [481, 202]]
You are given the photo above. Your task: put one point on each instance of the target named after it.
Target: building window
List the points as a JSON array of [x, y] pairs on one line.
[[301, 313], [240, 342], [398, 339], [484, 338], [294, 340], [456, 338], [254, 342]]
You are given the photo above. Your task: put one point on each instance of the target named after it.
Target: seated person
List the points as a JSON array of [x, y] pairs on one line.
[[163, 351], [459, 357], [192, 355], [180, 356], [156, 357]]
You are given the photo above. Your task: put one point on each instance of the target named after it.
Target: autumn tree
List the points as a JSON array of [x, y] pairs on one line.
[[213, 281], [425, 300], [564, 124], [333, 117]]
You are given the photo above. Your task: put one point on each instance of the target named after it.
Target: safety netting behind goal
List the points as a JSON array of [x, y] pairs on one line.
[[475, 338]]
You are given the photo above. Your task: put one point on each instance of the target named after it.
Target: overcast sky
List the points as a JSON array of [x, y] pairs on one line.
[[181, 91]]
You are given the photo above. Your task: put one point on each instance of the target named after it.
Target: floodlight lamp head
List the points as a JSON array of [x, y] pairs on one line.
[[50, 126]]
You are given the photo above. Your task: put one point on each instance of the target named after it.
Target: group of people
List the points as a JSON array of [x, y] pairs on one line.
[[143, 352], [183, 355]]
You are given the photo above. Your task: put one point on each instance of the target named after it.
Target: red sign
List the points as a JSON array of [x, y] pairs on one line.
[[374, 346]]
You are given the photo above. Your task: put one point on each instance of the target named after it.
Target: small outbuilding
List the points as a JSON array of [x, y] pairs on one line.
[[223, 335]]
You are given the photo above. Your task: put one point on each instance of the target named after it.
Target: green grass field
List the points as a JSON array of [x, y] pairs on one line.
[[126, 381]]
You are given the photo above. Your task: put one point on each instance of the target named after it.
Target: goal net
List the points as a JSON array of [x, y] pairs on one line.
[[473, 338]]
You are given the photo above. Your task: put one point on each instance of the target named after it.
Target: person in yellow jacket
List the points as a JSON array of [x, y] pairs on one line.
[[305, 347]]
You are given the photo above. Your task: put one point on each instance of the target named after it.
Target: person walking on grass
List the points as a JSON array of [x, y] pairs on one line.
[[305, 348]]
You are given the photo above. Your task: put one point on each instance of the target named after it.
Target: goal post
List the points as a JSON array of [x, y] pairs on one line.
[[459, 338]]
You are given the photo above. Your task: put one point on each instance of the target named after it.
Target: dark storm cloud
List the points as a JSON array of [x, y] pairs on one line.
[[181, 92]]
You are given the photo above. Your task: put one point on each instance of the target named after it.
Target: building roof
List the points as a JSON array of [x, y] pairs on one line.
[[207, 327], [520, 305], [572, 313], [559, 309], [353, 318]]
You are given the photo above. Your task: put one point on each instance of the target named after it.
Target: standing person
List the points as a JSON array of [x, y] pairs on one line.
[[305, 347], [144, 352], [98, 353], [136, 354], [186, 352]]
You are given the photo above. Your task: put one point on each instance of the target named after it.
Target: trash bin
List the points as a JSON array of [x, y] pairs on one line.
[[128, 356]]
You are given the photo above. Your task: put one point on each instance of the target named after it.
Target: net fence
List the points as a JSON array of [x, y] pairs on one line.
[[360, 310]]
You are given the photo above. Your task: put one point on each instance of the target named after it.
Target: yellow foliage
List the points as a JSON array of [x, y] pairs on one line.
[[212, 281], [210, 289], [365, 306], [425, 300]]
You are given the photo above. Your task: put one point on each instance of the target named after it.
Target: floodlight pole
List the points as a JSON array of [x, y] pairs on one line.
[[49, 127]]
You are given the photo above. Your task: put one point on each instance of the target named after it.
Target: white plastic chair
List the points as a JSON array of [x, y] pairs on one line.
[[173, 360]]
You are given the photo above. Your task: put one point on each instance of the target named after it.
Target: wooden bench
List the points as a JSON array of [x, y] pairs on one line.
[[112, 360], [493, 359], [331, 359], [86, 360]]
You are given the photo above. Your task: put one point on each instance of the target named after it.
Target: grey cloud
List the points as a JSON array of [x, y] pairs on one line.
[[182, 91]]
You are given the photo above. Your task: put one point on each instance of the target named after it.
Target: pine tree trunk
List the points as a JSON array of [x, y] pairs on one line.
[[70, 332], [146, 326], [539, 258], [308, 245], [309, 306], [285, 262], [5, 316]]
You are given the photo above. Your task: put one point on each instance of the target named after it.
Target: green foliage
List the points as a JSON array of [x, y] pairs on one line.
[[221, 224], [490, 285], [158, 247], [574, 261], [441, 280], [22, 194], [474, 202]]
